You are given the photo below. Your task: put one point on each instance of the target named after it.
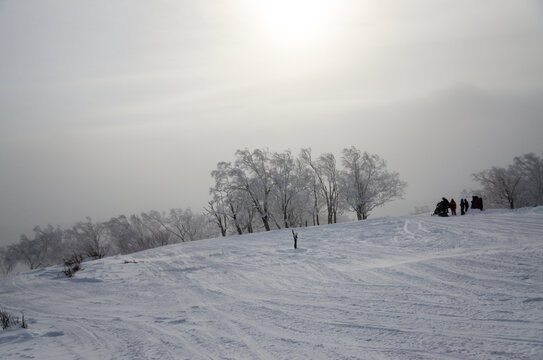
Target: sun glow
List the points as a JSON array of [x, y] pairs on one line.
[[295, 18]]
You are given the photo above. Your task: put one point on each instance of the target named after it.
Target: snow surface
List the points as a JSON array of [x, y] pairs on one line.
[[418, 287]]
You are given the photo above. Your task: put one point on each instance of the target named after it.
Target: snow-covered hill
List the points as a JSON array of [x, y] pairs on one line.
[[419, 287]]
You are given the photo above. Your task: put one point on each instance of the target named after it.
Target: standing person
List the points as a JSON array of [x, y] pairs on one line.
[[462, 204], [466, 205], [453, 207]]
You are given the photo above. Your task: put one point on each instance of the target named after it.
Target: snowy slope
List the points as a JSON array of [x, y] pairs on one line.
[[416, 287]]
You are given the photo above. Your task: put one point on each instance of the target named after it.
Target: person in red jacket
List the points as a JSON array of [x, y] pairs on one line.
[[453, 207]]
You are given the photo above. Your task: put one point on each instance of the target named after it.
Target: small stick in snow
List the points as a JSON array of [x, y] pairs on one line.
[[131, 262]]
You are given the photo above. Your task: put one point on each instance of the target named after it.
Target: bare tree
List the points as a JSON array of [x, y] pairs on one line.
[[180, 225], [189, 225], [366, 182], [90, 238], [502, 186], [530, 167], [326, 175], [8, 259], [159, 230], [252, 174], [52, 239], [306, 203], [28, 252], [43, 250], [131, 234], [217, 211], [290, 179], [240, 211], [315, 196], [228, 203]]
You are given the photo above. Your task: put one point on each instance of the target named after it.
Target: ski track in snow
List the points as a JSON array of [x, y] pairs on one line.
[[417, 287]]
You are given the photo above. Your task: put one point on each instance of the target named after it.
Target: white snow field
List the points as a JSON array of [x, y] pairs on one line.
[[416, 287]]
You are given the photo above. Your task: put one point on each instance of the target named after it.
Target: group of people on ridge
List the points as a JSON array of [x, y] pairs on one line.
[[442, 208]]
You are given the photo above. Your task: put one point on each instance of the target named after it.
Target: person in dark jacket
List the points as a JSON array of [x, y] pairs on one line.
[[453, 207], [442, 208], [462, 205]]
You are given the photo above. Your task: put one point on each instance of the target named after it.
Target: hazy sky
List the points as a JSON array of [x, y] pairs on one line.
[[119, 107]]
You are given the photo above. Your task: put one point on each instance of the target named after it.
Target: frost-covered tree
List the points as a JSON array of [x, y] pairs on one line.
[[229, 205], [163, 229], [189, 225], [52, 239], [366, 182], [128, 234], [305, 206], [252, 174], [90, 238], [240, 211], [291, 187], [314, 198], [327, 178], [178, 226], [216, 210], [8, 259], [44, 249], [501, 186], [530, 167], [517, 185], [28, 252]]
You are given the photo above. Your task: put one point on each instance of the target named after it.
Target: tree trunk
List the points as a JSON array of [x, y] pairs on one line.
[[235, 218], [285, 218], [359, 213], [266, 222]]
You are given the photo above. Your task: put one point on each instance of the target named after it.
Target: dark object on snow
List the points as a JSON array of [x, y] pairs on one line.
[[72, 265], [9, 321], [477, 203], [442, 208], [295, 235]]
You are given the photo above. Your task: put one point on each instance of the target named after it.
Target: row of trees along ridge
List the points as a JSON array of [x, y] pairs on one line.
[[286, 191], [258, 191]]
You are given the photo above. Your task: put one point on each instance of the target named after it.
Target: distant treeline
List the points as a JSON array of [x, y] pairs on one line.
[[259, 191]]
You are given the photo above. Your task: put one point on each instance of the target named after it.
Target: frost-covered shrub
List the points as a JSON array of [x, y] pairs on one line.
[[72, 265], [9, 321]]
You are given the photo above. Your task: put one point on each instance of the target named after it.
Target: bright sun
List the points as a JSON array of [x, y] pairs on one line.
[[296, 18]]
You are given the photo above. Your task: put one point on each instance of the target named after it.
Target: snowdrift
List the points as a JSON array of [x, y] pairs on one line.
[[415, 287]]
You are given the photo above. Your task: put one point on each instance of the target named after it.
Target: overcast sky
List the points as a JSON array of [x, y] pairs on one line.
[[119, 107]]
